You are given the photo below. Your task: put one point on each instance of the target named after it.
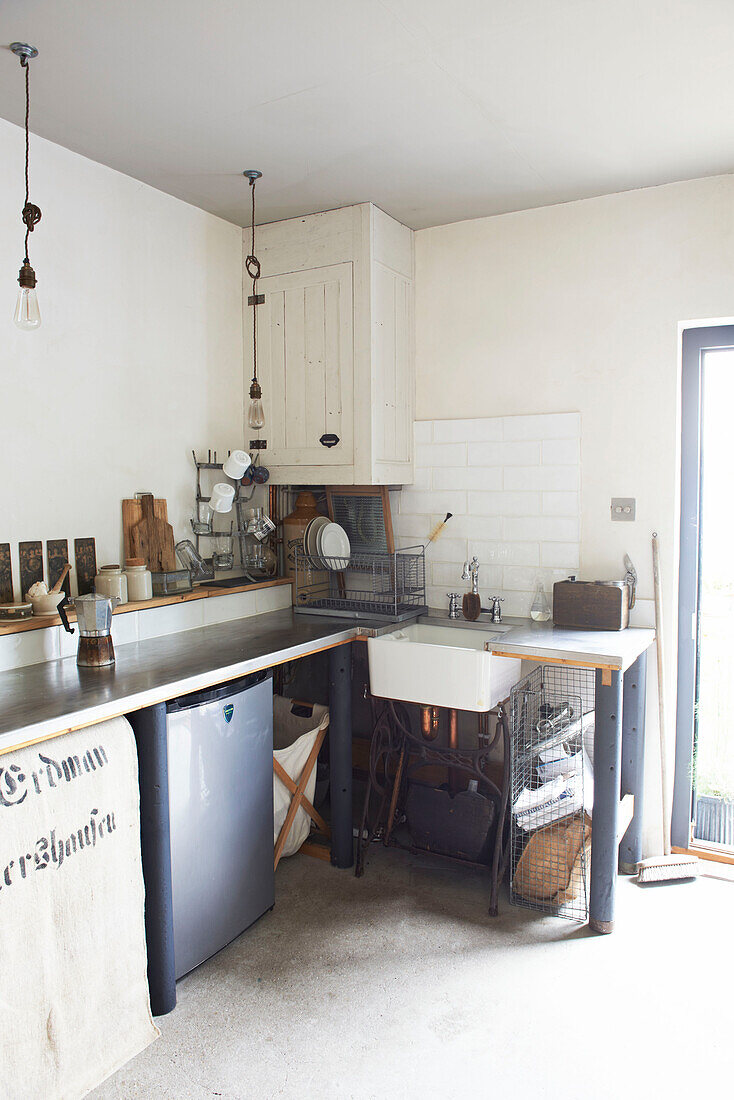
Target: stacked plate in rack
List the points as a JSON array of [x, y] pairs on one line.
[[326, 544]]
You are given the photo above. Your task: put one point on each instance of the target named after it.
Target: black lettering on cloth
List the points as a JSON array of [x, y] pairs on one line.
[[50, 849], [41, 854], [11, 786], [57, 850], [51, 763]]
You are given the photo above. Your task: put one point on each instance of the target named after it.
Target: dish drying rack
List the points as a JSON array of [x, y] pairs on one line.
[[379, 585]]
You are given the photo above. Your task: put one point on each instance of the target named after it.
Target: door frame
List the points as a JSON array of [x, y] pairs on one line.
[[696, 341]]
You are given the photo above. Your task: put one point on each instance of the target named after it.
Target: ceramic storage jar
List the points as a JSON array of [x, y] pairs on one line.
[[111, 581], [139, 580]]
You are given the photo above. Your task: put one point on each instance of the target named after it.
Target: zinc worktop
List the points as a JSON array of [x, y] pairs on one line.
[[38, 702], [44, 700]]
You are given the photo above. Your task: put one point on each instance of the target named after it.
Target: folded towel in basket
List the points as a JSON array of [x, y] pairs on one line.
[[556, 799], [555, 762]]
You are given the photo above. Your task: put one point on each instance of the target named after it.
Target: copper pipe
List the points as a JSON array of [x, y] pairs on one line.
[[453, 728], [453, 744], [430, 718]]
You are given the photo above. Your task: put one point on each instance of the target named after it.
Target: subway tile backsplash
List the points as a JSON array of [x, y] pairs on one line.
[[513, 486]]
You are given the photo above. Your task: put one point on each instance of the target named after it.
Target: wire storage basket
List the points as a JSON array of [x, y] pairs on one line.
[[376, 585], [552, 738]]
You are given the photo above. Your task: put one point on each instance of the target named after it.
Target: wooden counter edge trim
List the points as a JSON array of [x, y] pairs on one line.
[[202, 592], [164, 698], [605, 666]]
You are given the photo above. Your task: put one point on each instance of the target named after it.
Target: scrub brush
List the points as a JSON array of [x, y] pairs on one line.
[[438, 530], [670, 865]]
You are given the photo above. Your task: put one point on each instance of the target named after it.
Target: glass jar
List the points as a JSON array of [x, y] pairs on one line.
[[139, 580], [111, 581], [260, 561], [223, 555], [540, 610]]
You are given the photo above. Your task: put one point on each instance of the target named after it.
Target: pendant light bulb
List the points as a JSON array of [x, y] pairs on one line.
[[27, 315], [256, 413]]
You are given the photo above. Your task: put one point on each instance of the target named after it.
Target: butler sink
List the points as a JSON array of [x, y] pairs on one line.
[[441, 667]]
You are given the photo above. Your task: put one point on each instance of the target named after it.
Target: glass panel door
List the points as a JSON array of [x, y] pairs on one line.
[[713, 758]]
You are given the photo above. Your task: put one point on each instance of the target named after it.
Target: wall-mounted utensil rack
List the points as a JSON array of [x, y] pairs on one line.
[[202, 529]]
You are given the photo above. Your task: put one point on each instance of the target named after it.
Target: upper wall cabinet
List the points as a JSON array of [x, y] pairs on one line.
[[335, 348]]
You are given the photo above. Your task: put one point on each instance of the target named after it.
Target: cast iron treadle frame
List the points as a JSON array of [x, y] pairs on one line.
[[398, 753]]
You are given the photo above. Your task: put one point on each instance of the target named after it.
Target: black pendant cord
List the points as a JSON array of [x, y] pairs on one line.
[[31, 214], [252, 265]]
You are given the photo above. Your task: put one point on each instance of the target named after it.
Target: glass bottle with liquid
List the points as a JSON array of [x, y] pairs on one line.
[[540, 610]]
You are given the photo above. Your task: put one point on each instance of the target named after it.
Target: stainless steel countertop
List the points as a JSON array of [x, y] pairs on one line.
[[44, 700], [615, 649]]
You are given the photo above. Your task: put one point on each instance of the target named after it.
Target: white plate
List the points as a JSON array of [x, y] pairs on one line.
[[333, 546], [310, 536]]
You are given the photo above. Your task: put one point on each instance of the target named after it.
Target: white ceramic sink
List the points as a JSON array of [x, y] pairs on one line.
[[441, 667]]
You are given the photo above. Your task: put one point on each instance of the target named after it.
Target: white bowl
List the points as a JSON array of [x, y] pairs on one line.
[[46, 605]]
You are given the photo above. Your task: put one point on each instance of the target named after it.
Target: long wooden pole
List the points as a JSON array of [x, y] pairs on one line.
[[661, 692]]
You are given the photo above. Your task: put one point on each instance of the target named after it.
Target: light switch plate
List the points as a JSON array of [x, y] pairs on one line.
[[623, 509]]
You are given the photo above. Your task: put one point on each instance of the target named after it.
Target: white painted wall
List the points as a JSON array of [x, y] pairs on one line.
[[578, 307], [139, 356]]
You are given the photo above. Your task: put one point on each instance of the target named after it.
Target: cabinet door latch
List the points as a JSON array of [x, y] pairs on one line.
[[329, 440]]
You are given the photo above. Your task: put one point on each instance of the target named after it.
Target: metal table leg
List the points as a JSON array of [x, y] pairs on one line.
[[607, 774], [340, 754], [633, 760], [149, 727]]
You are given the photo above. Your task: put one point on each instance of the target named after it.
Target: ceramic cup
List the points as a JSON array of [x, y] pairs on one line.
[[236, 464], [222, 497]]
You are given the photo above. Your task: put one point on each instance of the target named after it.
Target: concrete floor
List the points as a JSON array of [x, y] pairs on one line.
[[398, 986]]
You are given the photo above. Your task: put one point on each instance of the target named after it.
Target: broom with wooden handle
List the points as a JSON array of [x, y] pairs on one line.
[[668, 866]]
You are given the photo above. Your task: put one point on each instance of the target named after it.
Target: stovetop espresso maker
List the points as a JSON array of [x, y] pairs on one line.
[[94, 619]]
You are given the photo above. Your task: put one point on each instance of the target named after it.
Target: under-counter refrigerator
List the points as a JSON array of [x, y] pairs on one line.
[[220, 789]]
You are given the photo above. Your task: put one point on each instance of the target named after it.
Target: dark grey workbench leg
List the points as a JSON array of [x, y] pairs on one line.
[[340, 755], [607, 770], [633, 760], [149, 726]]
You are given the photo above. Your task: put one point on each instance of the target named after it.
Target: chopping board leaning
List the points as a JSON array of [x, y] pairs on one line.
[[132, 513], [152, 539]]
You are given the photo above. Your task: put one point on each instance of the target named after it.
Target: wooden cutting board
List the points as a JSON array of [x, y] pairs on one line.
[[132, 513], [152, 540]]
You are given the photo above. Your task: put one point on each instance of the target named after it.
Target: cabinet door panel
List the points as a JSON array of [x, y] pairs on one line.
[[391, 351], [306, 364]]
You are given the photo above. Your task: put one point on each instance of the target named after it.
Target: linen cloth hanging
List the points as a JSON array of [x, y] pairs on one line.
[[74, 1003]]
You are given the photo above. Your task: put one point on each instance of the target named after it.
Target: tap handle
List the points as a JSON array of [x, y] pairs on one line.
[[496, 609]]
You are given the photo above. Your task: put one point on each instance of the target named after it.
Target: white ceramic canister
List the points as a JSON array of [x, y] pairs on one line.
[[139, 580], [111, 581]]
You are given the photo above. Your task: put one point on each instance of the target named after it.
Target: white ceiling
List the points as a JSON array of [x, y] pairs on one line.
[[436, 110]]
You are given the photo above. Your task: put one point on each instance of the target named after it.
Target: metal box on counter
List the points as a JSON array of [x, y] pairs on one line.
[[591, 605]]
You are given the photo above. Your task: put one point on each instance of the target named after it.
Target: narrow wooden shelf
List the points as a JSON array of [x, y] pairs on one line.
[[201, 592]]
